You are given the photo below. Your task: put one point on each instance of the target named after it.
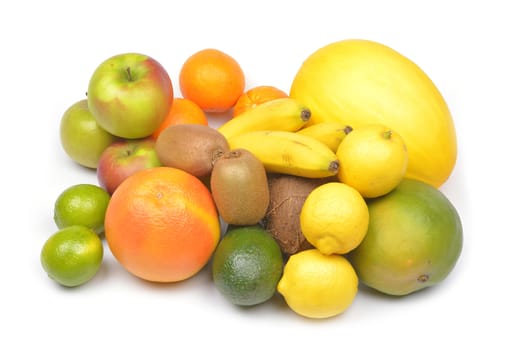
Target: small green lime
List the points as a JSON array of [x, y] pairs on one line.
[[72, 255], [247, 265], [82, 204]]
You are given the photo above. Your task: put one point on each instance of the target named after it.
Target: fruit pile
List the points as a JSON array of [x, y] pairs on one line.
[[302, 195]]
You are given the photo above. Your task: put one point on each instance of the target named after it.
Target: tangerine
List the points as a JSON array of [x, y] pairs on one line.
[[212, 79], [182, 111], [162, 225], [255, 96]]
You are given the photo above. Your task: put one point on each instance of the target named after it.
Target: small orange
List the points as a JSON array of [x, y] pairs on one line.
[[255, 96], [182, 111], [162, 225], [212, 79]]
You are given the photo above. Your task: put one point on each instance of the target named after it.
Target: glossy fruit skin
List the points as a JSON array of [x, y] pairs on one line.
[[334, 218], [255, 96], [123, 158], [130, 94], [362, 82], [212, 79], [317, 285], [72, 256], [247, 265], [182, 111], [372, 159], [81, 137], [81, 204], [162, 225], [414, 240]]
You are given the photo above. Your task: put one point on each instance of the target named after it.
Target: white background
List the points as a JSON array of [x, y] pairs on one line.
[[473, 51]]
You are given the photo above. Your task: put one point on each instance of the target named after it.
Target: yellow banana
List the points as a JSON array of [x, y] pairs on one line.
[[288, 152], [331, 133], [280, 114]]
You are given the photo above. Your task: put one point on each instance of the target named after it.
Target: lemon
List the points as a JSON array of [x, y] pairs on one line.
[[247, 265], [334, 218], [316, 285], [373, 159], [82, 204], [72, 256]]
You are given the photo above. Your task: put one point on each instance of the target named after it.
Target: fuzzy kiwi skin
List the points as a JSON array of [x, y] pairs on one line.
[[191, 147], [239, 187]]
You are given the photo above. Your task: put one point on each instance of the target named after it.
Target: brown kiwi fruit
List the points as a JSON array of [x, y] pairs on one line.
[[191, 147], [239, 187]]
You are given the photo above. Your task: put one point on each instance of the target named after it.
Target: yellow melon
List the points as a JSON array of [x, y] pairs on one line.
[[362, 82]]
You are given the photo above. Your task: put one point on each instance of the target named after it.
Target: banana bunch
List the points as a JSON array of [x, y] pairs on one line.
[[288, 152], [276, 132], [330, 133], [285, 114]]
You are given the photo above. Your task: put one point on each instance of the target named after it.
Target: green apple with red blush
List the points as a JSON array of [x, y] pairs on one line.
[[123, 158], [130, 94]]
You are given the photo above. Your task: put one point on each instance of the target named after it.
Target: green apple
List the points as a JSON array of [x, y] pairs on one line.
[[81, 137], [130, 95]]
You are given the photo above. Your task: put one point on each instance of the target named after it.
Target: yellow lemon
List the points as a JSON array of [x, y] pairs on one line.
[[359, 82], [334, 218], [316, 285], [372, 159]]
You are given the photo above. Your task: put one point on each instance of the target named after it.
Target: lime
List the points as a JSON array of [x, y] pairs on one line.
[[413, 241], [316, 285], [334, 218], [72, 255], [82, 204], [247, 265]]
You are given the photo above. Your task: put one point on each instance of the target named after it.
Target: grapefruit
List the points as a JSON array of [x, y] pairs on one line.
[[162, 225]]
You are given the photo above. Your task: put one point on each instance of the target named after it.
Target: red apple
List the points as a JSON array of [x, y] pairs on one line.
[[130, 95], [124, 158]]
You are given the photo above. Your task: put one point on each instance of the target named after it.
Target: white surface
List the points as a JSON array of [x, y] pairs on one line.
[[474, 53]]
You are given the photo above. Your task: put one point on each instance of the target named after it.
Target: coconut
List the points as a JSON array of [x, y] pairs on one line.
[[287, 196]]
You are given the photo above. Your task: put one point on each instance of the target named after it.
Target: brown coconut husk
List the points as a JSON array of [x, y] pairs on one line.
[[287, 196]]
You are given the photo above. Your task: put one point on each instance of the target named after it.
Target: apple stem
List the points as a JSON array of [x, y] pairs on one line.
[[128, 70]]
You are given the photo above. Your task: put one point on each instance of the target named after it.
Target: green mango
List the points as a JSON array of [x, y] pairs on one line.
[[414, 240]]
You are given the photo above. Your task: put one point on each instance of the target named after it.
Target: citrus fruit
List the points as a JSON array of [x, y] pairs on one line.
[[413, 241], [247, 265], [255, 96], [81, 137], [317, 285], [82, 204], [182, 111], [372, 159], [361, 82], [212, 79], [162, 225], [72, 256], [334, 218]]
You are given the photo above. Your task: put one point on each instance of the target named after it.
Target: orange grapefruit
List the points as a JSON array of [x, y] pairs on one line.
[[162, 225]]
